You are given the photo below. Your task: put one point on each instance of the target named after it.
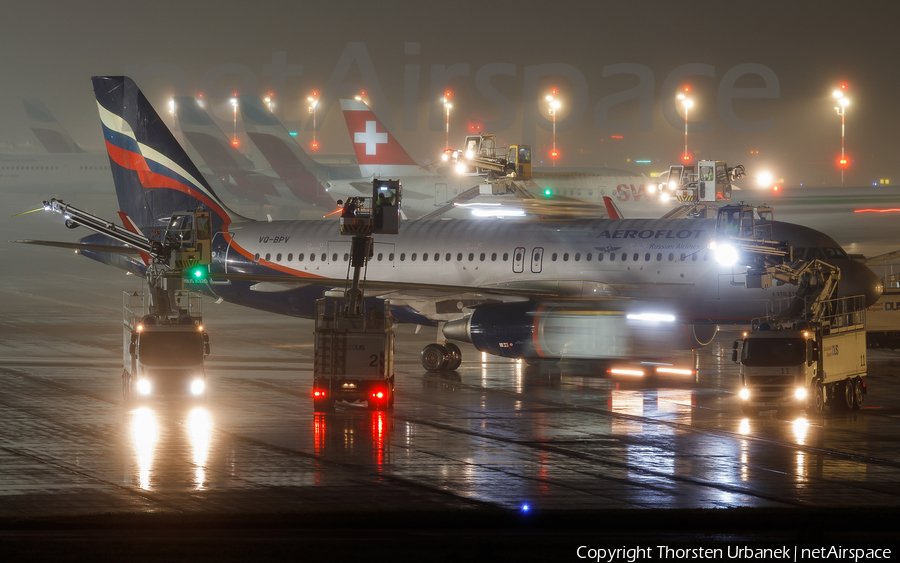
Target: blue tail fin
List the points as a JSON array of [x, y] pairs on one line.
[[153, 175]]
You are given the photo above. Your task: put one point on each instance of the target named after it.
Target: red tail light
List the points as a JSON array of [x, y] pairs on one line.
[[318, 394]]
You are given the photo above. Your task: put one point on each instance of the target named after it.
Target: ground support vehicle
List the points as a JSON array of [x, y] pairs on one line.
[[164, 344], [805, 362], [354, 340]]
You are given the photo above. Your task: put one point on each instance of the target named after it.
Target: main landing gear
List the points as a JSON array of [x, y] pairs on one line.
[[441, 357]]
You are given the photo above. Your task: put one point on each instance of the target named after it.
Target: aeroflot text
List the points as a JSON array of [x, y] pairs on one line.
[[632, 554]]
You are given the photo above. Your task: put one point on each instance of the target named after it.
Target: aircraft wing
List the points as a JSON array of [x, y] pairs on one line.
[[83, 246]]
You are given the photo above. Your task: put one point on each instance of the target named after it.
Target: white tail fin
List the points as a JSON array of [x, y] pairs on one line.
[[377, 151]]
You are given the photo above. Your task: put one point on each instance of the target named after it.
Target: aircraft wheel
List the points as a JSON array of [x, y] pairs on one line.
[[455, 356], [857, 393], [817, 401], [434, 357]]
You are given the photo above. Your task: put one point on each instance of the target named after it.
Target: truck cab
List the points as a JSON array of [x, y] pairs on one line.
[[163, 356], [168, 361]]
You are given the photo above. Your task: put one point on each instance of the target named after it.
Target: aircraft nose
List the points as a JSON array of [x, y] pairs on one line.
[[858, 279]]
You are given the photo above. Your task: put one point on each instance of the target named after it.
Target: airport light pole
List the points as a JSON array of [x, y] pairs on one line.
[[554, 105], [313, 105], [842, 104], [447, 106], [234, 104], [687, 105]]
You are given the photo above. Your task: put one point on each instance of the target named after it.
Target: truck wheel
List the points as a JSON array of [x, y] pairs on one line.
[[455, 356], [434, 357], [857, 393], [848, 395], [817, 401]]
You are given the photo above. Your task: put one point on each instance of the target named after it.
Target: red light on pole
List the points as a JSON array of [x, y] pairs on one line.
[[553, 92], [843, 85], [687, 89], [234, 142], [554, 154], [686, 158], [314, 145]]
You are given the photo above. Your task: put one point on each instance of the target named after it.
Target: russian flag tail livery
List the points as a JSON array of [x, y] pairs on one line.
[[153, 175], [304, 177], [377, 151], [49, 132]]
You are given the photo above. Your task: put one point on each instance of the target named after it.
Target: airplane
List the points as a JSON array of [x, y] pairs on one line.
[[65, 168], [489, 281]]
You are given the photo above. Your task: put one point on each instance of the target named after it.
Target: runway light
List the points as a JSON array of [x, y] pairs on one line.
[[619, 371], [197, 387]]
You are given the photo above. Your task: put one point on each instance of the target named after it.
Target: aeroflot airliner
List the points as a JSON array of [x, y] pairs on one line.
[[439, 271]]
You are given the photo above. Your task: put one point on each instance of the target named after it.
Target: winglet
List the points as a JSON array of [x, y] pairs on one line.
[[611, 208]]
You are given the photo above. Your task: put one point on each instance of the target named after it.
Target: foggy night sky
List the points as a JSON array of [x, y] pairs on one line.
[[50, 50]]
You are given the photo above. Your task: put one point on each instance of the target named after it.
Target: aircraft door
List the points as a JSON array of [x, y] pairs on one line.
[[518, 260], [537, 256], [221, 245], [440, 194]]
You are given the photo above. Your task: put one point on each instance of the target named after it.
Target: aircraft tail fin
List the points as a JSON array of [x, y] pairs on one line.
[[306, 178], [49, 132], [153, 175], [377, 150], [611, 208]]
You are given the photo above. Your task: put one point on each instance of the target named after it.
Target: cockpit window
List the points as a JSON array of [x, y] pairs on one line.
[[835, 253]]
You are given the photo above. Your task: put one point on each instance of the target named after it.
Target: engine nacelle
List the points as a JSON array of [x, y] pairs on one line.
[[533, 330]]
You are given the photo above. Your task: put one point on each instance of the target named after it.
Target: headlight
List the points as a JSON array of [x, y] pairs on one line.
[[144, 386], [460, 168], [744, 394], [800, 393], [197, 386], [726, 255]]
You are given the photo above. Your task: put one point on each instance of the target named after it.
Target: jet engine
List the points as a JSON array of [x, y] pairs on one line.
[[532, 330]]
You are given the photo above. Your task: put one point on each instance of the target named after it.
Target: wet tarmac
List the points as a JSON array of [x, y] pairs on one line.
[[493, 437]]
